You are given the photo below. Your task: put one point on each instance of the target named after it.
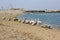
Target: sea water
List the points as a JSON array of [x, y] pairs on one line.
[[46, 18]]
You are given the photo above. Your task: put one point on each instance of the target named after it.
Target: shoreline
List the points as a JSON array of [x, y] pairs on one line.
[[13, 30], [43, 11]]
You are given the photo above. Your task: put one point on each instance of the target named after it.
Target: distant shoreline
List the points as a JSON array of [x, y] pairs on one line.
[[43, 11]]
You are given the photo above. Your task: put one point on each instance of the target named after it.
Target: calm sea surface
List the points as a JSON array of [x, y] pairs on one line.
[[47, 18]]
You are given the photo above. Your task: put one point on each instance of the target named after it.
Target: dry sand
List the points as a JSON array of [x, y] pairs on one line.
[[11, 30]]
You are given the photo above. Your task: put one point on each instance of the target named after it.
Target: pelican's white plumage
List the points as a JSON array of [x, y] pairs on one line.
[[33, 22], [27, 21], [39, 22]]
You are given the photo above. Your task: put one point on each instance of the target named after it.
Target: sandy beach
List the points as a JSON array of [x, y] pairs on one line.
[[13, 30]]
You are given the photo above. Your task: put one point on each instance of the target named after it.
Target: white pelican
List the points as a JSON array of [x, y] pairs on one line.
[[19, 20], [33, 22], [27, 21], [23, 20], [39, 22], [3, 18], [47, 26]]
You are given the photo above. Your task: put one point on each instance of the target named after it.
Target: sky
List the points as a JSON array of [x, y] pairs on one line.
[[31, 4]]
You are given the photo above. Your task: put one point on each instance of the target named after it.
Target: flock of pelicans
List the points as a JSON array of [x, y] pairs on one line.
[[32, 22]]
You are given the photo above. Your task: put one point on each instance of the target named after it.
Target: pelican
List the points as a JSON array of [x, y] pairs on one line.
[[23, 20], [9, 19], [19, 20], [3, 18], [15, 19], [47, 26], [27, 21], [39, 22], [33, 22]]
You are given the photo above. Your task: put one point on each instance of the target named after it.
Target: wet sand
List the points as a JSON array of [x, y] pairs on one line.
[[13, 30]]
